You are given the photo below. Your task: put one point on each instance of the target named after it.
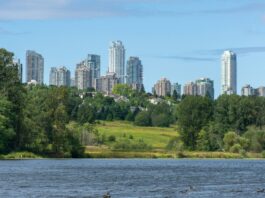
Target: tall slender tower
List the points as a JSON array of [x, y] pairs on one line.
[[134, 73], [117, 60], [35, 66], [229, 73], [93, 63]]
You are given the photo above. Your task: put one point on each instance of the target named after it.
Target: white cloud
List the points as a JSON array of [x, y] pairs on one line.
[[54, 9]]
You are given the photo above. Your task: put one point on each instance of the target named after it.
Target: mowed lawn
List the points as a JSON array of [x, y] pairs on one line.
[[157, 137]]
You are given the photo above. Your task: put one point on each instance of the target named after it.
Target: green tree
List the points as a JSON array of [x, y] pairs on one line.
[[7, 132], [194, 112], [122, 90], [86, 113], [143, 119]]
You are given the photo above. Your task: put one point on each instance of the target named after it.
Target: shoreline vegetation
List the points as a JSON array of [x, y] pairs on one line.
[[100, 153], [156, 137]]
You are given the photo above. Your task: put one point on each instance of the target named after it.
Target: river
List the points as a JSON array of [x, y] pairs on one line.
[[150, 178]]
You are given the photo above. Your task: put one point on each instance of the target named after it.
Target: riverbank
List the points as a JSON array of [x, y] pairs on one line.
[[20, 155], [104, 152]]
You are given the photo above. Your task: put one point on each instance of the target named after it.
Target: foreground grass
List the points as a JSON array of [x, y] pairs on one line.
[[20, 155]]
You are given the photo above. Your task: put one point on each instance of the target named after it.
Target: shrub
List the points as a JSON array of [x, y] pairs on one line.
[[143, 119], [111, 138], [263, 154], [236, 148], [160, 120], [128, 145]]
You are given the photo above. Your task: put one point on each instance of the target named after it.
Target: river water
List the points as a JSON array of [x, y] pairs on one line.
[[150, 178]]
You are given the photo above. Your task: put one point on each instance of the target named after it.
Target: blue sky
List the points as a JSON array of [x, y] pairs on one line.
[[181, 40]]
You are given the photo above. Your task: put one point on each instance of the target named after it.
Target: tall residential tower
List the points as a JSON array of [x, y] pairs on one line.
[[117, 60], [93, 63], [229, 73], [134, 72], [34, 67]]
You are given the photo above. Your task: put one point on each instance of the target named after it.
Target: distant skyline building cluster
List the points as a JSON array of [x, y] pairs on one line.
[[87, 72], [201, 87], [248, 90], [88, 75]]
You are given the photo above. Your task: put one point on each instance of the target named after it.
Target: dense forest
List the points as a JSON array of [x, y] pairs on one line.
[[59, 121]]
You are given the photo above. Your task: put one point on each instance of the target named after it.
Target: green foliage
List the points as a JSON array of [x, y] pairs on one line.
[[129, 145], [160, 120], [112, 138], [143, 119], [236, 148], [234, 143], [7, 132], [256, 139], [86, 113], [263, 154], [175, 144], [193, 114], [122, 90]]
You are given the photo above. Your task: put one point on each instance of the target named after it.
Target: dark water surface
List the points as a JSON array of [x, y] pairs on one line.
[[132, 178]]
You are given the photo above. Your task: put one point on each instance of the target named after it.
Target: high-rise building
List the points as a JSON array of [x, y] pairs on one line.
[[205, 87], [176, 87], [247, 90], [53, 76], [106, 83], [162, 87], [93, 63], [117, 60], [64, 76], [229, 73], [190, 88], [72, 82], [34, 67], [260, 91], [134, 73], [82, 76], [18, 64], [60, 76]]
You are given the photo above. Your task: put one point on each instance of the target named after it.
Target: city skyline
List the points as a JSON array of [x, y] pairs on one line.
[[187, 45]]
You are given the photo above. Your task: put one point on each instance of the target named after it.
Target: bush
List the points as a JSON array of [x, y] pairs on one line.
[[160, 120], [263, 154], [230, 139], [143, 119], [236, 148], [128, 145], [112, 138], [175, 143]]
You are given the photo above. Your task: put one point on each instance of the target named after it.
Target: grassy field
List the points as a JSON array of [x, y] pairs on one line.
[[156, 137]]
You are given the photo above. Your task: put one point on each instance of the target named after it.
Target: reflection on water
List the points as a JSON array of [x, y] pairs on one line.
[[132, 178]]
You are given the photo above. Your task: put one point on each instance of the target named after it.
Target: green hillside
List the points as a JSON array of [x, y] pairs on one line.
[[156, 137]]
